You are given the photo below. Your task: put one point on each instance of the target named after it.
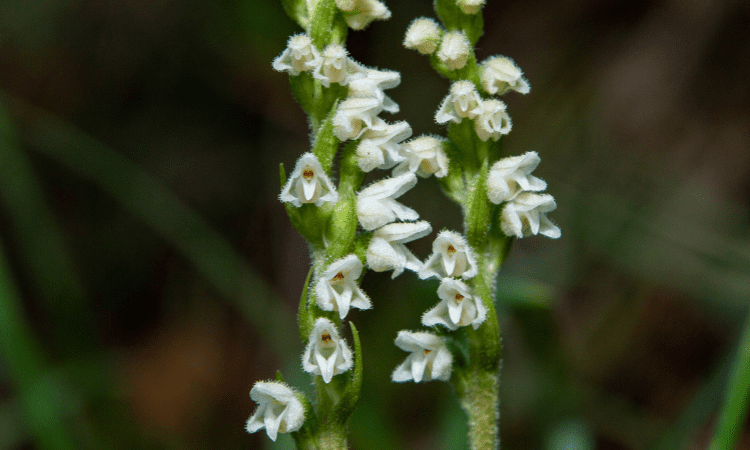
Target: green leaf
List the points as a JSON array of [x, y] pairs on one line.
[[455, 19], [453, 184], [297, 11], [342, 226], [478, 212], [322, 23], [345, 406], [361, 243], [305, 221], [464, 138], [279, 376], [304, 317], [303, 89], [282, 175], [326, 143]]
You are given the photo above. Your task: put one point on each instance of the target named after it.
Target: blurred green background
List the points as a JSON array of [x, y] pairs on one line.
[[149, 275]]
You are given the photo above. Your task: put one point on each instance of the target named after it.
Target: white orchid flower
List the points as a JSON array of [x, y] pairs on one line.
[[308, 183], [454, 50], [527, 214], [380, 146], [429, 360], [462, 101], [500, 74], [424, 156], [492, 121], [510, 176], [326, 353], [457, 308], [279, 410], [376, 204], [387, 250], [451, 257], [300, 55], [337, 288]]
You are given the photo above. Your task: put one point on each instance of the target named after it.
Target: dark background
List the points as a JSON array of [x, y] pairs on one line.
[[158, 275]]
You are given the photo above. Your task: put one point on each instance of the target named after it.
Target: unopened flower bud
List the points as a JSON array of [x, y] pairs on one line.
[[423, 36], [454, 50], [470, 6]]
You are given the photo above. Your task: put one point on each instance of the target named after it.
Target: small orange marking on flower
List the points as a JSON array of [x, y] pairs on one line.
[[459, 296], [427, 351], [338, 277], [326, 337], [308, 174], [451, 249]]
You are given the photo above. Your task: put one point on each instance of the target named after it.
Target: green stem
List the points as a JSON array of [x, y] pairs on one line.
[[479, 392], [736, 401]]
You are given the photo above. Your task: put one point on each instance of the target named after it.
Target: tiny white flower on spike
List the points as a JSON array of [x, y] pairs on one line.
[[326, 353], [424, 156], [387, 250], [454, 50], [376, 204], [458, 307], [470, 6], [500, 75], [359, 13], [493, 121], [308, 184], [451, 257], [371, 83], [337, 288], [300, 55], [423, 35], [527, 215], [379, 147], [335, 66], [510, 176], [279, 410], [354, 115], [430, 359], [462, 101]]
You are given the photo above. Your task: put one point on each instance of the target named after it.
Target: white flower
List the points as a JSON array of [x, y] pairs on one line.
[[527, 215], [371, 83], [430, 359], [300, 55], [337, 288], [379, 147], [387, 250], [500, 75], [458, 308], [462, 101], [308, 184], [451, 257], [326, 353], [454, 50], [423, 35], [354, 115], [470, 6], [424, 156], [359, 13], [493, 121], [509, 176], [335, 66], [376, 204], [279, 410]]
